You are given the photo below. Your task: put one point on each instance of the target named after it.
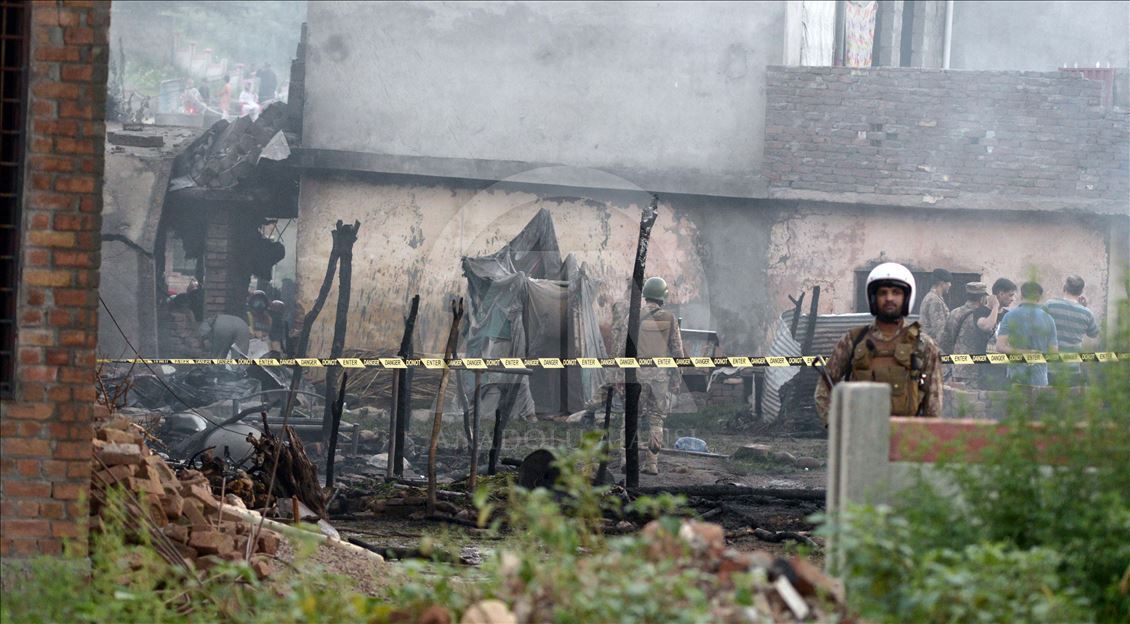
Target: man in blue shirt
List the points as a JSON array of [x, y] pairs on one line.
[[1073, 324], [1028, 329]]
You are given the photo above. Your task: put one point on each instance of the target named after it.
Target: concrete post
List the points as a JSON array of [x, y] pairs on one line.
[[858, 450]]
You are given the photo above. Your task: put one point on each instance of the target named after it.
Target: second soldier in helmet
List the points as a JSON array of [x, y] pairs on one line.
[[659, 337]]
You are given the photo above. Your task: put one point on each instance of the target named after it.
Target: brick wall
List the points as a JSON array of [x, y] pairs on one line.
[[948, 139], [46, 427]]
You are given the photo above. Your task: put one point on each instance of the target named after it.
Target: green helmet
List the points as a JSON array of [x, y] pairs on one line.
[[655, 288]]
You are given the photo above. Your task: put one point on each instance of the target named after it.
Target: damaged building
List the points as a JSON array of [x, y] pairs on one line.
[[187, 207], [779, 168]]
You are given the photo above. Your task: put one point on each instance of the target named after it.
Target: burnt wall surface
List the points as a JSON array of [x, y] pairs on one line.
[[669, 95], [945, 139], [415, 230]]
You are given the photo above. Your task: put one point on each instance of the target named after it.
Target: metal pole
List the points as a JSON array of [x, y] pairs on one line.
[[475, 433]]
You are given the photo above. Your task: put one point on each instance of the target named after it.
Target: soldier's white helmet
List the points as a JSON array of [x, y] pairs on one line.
[[890, 274]]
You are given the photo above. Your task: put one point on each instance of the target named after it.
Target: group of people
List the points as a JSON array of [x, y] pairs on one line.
[[907, 356], [986, 323], [195, 100], [264, 320]]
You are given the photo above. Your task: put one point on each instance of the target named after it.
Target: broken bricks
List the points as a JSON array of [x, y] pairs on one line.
[[796, 588], [182, 510]]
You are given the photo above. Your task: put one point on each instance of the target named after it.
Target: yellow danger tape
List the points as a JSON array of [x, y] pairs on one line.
[[811, 361]]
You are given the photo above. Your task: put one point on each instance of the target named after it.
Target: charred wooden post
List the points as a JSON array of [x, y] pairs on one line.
[[631, 350], [437, 420], [404, 387], [495, 443], [394, 401], [331, 454], [473, 477], [307, 324], [344, 237], [797, 305], [605, 445]]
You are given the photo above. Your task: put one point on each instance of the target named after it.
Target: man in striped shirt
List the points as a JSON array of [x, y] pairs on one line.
[[1073, 322]]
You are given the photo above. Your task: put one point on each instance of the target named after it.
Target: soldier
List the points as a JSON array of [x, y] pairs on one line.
[[258, 318], [220, 332], [659, 337], [934, 309], [888, 350]]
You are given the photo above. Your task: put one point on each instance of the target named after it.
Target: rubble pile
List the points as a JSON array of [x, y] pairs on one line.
[[788, 589], [177, 510]]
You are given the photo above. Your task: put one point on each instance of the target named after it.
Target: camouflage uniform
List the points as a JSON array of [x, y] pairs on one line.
[[659, 337], [933, 315], [844, 359]]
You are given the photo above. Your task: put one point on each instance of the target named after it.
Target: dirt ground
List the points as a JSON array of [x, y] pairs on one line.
[[406, 528]]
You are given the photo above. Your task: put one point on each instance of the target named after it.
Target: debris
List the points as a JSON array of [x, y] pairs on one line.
[[284, 463], [135, 140], [792, 599], [691, 444], [810, 463], [788, 590], [752, 452], [489, 612], [186, 524], [780, 536]]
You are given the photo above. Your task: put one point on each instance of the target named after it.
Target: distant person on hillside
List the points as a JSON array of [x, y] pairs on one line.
[[225, 97], [268, 81], [191, 102], [248, 103]]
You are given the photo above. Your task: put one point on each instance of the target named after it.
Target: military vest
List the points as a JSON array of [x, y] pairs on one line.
[[656, 327], [897, 362]]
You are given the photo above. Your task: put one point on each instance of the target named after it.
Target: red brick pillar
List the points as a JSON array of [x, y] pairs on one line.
[[225, 279], [45, 426]]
